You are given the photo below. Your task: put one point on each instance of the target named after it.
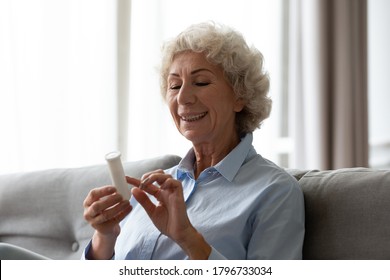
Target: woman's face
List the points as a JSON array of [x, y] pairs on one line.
[[201, 101]]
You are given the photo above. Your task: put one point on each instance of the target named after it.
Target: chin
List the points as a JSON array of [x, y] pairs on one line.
[[190, 135], [196, 138]]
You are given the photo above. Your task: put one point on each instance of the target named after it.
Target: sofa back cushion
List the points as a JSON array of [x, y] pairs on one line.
[[347, 214], [43, 211]]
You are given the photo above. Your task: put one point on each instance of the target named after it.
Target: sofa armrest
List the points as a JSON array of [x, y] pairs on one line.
[[347, 214]]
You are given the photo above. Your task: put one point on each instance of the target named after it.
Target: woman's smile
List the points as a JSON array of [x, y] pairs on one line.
[[193, 117]]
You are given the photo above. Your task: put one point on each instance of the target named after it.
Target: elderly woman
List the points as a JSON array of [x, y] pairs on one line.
[[223, 200]]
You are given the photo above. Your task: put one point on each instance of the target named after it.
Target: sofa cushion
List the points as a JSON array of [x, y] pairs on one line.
[[42, 211], [347, 214]]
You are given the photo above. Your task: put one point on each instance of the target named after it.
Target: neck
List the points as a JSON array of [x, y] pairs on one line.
[[209, 154]]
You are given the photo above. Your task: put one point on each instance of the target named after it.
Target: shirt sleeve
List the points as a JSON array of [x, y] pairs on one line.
[[86, 250], [215, 255]]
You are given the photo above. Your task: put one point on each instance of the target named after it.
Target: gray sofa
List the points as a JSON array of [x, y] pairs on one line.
[[347, 210]]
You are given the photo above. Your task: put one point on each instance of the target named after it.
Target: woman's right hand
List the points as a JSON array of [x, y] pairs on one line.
[[104, 208]]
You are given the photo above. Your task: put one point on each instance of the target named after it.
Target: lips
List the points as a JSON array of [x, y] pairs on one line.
[[193, 118]]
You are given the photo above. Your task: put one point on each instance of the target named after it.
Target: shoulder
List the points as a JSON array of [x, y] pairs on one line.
[[269, 179], [277, 193], [264, 170]]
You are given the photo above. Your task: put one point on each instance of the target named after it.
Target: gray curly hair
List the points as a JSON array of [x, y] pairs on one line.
[[242, 66]]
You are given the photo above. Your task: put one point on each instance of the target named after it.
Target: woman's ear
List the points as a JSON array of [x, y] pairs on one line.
[[239, 105]]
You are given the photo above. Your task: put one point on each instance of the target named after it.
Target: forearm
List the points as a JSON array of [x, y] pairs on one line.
[[102, 247], [195, 246]]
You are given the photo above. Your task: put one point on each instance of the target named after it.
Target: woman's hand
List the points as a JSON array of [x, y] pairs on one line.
[[104, 208], [170, 214]]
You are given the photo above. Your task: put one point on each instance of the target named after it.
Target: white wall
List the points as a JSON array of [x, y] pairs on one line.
[[378, 81]]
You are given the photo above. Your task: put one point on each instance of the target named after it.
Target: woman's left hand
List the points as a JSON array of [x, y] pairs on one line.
[[170, 214]]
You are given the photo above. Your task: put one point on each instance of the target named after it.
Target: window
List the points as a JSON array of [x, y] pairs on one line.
[[57, 83], [151, 130], [379, 98], [58, 78]]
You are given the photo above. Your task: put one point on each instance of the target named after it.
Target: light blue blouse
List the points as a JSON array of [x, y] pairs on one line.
[[245, 207]]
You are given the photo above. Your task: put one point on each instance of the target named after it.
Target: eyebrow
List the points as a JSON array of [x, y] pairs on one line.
[[193, 72]]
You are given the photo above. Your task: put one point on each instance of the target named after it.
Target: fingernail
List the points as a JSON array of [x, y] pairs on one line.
[[143, 183]]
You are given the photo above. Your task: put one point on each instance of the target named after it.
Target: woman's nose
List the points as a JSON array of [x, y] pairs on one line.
[[186, 95]]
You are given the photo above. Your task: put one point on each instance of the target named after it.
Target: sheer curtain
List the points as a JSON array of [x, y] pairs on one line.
[[79, 79], [328, 83], [379, 97], [57, 83], [151, 131]]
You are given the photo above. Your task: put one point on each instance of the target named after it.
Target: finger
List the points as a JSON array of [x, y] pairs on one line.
[[138, 183], [150, 188], [158, 178], [123, 213], [114, 214], [97, 193], [133, 181], [144, 200], [148, 185], [102, 204], [171, 183], [147, 174]]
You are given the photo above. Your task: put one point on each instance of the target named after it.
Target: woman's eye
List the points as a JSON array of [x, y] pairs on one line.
[[202, 84], [175, 87]]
